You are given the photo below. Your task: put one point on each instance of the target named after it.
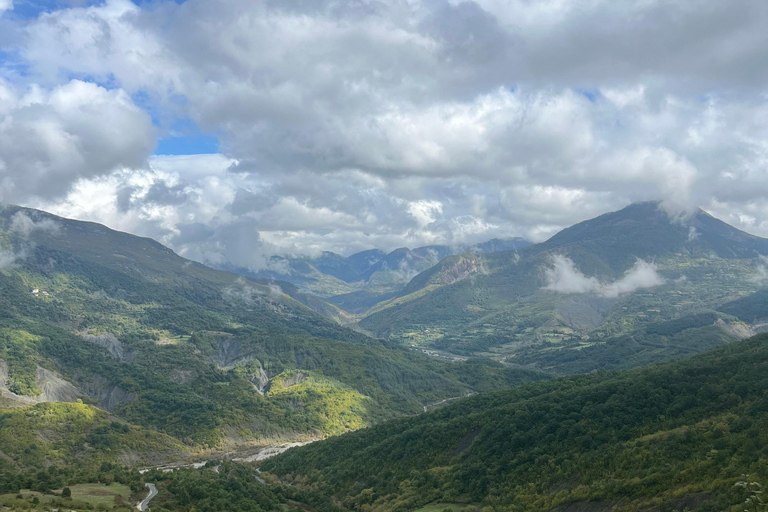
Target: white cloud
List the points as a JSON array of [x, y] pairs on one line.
[[634, 96], [7, 259], [5, 5], [51, 138], [241, 293], [642, 275], [761, 271], [564, 277], [425, 211], [344, 124], [23, 225]]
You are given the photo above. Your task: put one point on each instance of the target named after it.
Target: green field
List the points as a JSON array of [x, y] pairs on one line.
[[100, 494], [84, 496]]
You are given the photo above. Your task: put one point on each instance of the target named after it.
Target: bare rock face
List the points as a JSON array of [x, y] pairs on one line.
[[111, 343], [740, 330], [261, 381], [53, 388], [107, 394], [231, 352], [463, 268], [294, 379]]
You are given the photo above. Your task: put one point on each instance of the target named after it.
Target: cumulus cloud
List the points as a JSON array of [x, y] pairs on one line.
[[5, 5], [348, 125], [642, 275], [50, 139], [564, 277]]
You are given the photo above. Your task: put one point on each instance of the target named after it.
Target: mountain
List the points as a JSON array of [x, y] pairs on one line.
[[331, 274], [673, 436], [81, 435], [600, 281], [209, 358]]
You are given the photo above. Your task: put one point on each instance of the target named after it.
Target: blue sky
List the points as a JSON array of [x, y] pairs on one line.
[[183, 137], [28, 9]]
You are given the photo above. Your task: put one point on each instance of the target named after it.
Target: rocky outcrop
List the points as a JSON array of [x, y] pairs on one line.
[[230, 352], [53, 388], [740, 330], [463, 268], [294, 379], [180, 376], [111, 343], [108, 395], [261, 381]]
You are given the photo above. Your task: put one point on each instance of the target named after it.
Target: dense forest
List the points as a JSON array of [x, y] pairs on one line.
[[651, 437]]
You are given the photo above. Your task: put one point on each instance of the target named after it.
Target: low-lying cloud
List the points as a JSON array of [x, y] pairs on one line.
[[761, 272], [23, 225], [241, 292], [7, 259], [564, 277]]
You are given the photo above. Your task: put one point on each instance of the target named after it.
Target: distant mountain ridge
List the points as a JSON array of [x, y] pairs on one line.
[[598, 279], [332, 274]]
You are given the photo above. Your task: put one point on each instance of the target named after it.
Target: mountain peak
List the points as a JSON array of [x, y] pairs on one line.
[[648, 230]]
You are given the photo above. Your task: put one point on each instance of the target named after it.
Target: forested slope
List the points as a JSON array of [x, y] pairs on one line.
[[599, 283], [662, 436], [208, 357]]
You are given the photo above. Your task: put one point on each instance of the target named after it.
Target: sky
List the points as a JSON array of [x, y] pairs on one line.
[[233, 130]]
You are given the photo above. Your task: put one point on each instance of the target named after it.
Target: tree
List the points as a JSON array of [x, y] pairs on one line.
[[66, 492]]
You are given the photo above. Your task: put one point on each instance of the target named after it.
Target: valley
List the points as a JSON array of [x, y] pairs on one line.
[[515, 306], [210, 359], [501, 379]]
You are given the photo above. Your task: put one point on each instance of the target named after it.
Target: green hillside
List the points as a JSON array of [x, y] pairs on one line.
[[123, 323], [76, 434], [665, 437], [599, 281]]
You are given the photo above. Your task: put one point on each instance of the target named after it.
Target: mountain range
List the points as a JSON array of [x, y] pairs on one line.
[[375, 271], [117, 353], [587, 286], [209, 358]]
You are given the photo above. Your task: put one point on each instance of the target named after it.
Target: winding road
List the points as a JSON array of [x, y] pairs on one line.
[[143, 505]]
